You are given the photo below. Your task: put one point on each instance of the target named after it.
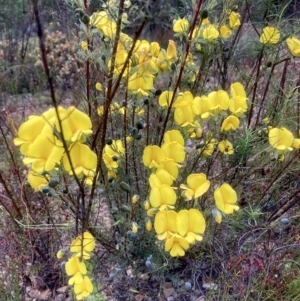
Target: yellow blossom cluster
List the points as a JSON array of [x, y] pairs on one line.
[[190, 112], [75, 267], [271, 36], [40, 140], [178, 230], [206, 31]]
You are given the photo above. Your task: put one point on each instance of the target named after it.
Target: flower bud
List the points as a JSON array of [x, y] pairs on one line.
[[85, 19], [124, 186], [53, 183], [139, 125], [157, 92], [204, 14]]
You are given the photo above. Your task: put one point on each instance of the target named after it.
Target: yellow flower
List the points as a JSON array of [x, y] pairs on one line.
[[270, 36], [230, 123], [140, 83], [184, 113], [176, 245], [82, 247], [190, 225], [238, 101], [36, 181], [234, 20], [281, 139], [84, 160], [32, 128], [219, 101], [165, 224], [197, 185], [162, 196], [84, 288], [159, 178], [165, 98], [152, 156], [173, 136], [171, 52], [225, 32], [225, 147], [226, 198], [174, 150], [294, 46], [76, 268], [44, 153], [181, 26], [210, 33], [195, 130], [76, 125], [209, 148], [109, 162], [170, 166], [202, 106]]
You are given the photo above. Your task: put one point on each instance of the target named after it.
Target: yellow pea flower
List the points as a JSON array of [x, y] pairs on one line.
[[190, 225], [173, 136], [281, 139], [270, 36], [210, 33], [83, 247], [294, 46], [152, 156], [159, 178], [171, 52], [165, 98], [176, 245], [174, 150], [76, 125], [162, 196], [75, 268], [226, 147], [181, 26], [230, 123], [197, 185], [140, 83], [36, 181], [44, 153], [170, 166], [238, 101], [225, 32], [226, 198], [83, 289], [165, 224], [234, 20], [84, 160]]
